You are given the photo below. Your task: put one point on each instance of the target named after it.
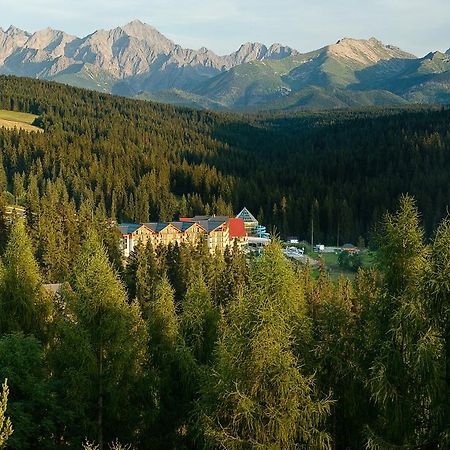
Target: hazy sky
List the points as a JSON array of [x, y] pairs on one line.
[[419, 26]]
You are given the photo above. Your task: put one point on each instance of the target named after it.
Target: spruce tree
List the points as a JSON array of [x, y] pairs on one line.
[[438, 294], [404, 373], [4, 226], [199, 320], [174, 368], [102, 349], [256, 395], [31, 406], [147, 276], [337, 363], [24, 305]]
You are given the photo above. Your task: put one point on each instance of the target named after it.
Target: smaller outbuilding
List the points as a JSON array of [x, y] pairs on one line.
[[350, 248]]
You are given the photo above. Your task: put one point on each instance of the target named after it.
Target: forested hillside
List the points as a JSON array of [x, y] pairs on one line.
[[137, 161], [181, 349], [188, 350]]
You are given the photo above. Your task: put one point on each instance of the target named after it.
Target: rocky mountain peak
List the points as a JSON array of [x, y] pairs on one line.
[[16, 32], [145, 32], [437, 55], [137, 58], [10, 40], [279, 51], [250, 51], [49, 40], [365, 52]]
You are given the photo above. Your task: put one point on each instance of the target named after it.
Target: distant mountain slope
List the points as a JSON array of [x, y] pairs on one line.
[[136, 60], [333, 67], [316, 98], [135, 55]]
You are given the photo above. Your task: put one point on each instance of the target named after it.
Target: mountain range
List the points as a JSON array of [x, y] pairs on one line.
[[136, 60]]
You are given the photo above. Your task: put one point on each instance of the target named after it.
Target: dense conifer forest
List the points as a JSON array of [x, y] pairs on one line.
[[182, 349], [188, 350], [136, 161]]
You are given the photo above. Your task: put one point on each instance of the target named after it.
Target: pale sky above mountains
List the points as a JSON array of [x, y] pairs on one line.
[[418, 26]]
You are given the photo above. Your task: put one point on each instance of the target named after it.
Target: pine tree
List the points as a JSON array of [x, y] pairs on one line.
[[199, 320], [405, 371], [24, 305], [147, 276], [102, 350], [256, 395], [174, 367], [233, 276], [4, 226], [438, 293], [337, 363], [31, 407], [131, 269]]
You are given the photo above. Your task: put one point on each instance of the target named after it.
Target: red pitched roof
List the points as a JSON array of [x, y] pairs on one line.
[[237, 228]]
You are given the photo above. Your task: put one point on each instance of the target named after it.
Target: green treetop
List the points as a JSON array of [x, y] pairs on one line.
[[24, 305]]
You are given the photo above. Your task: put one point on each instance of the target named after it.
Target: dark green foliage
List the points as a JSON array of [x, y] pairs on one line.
[[173, 367], [257, 395], [24, 305], [31, 403], [350, 261], [139, 161], [101, 352], [199, 320]]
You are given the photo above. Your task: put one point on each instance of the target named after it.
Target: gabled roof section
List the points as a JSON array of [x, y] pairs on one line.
[[159, 226], [184, 225], [237, 228], [128, 228], [199, 218], [211, 225], [246, 216]]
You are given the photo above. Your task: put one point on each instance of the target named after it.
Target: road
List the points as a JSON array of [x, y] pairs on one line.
[[305, 259]]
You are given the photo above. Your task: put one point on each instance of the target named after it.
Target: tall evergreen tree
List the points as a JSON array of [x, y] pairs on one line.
[[31, 405], [174, 367], [338, 366], [102, 350], [199, 320], [147, 276], [438, 294], [24, 305], [257, 395], [405, 371]]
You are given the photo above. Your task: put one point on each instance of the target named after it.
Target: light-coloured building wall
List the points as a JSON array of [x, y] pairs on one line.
[[193, 234], [217, 238]]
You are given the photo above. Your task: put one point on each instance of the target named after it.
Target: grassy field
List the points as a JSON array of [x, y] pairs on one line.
[[331, 263], [19, 120]]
